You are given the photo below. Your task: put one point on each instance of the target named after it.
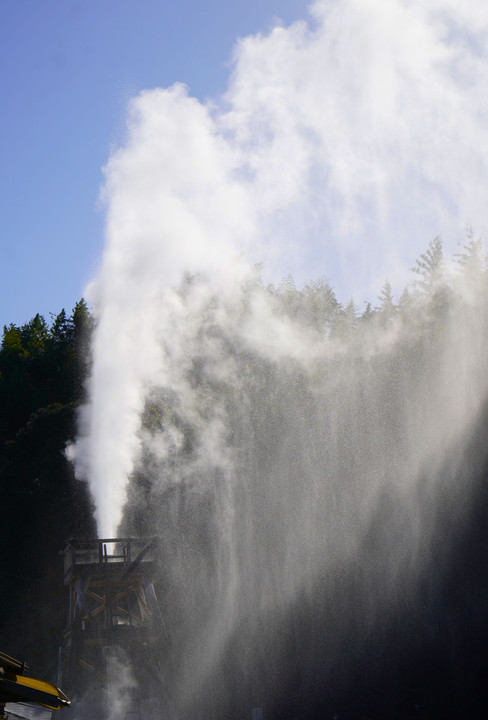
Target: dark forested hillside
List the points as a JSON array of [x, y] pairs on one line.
[[328, 557], [42, 373], [323, 509]]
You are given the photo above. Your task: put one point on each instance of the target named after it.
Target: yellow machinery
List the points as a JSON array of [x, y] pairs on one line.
[[15, 687]]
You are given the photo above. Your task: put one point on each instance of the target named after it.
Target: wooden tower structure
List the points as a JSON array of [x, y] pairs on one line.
[[114, 625]]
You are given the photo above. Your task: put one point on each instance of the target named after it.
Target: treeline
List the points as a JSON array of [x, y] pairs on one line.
[[43, 368], [317, 474], [433, 279]]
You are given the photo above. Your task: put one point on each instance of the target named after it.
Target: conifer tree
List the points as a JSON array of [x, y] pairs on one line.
[[387, 307], [430, 268]]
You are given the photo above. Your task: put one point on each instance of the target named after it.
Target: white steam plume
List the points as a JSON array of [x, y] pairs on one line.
[[342, 146]]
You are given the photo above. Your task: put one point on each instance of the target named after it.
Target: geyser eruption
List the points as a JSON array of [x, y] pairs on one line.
[[151, 216], [304, 467]]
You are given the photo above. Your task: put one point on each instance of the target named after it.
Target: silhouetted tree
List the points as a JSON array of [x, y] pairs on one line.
[[42, 374]]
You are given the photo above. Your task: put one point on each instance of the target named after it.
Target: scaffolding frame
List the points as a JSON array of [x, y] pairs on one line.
[[112, 607]]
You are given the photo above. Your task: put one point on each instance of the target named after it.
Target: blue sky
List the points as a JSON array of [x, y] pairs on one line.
[[67, 71], [361, 135]]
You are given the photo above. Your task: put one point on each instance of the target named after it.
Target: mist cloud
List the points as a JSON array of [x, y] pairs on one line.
[[343, 144]]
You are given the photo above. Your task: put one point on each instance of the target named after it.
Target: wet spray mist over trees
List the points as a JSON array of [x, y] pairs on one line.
[[311, 467], [312, 472]]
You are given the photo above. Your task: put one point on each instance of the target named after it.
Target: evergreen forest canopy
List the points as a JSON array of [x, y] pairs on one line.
[[409, 650], [43, 370], [322, 487]]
